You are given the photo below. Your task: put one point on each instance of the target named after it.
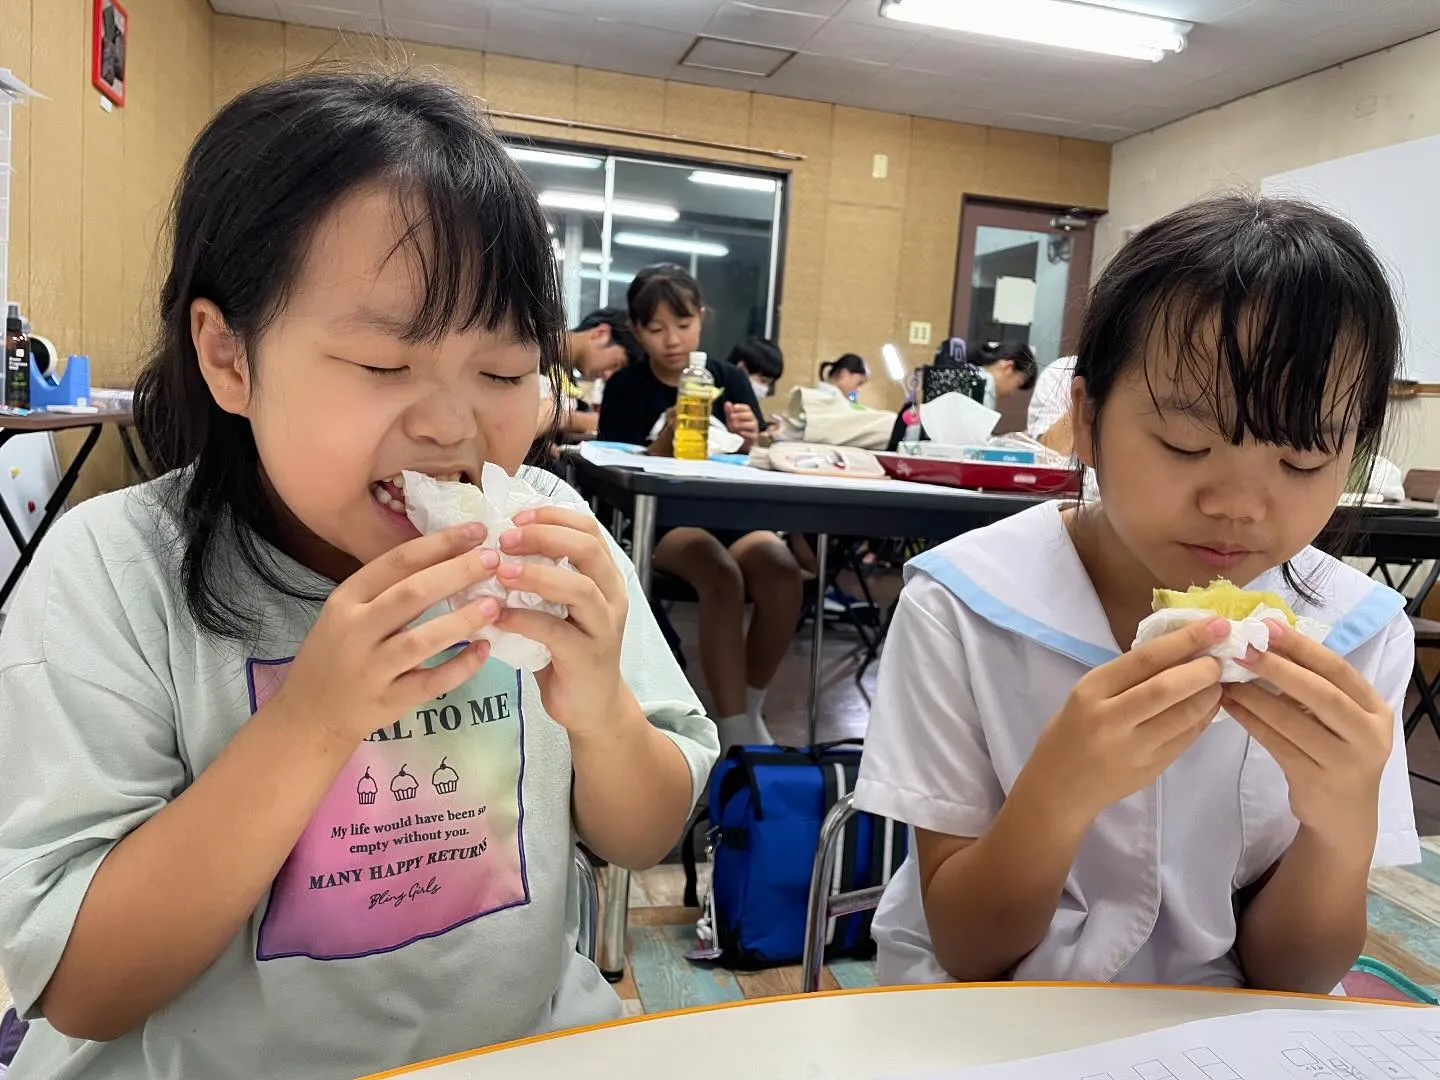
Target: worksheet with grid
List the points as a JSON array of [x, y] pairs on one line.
[[1383, 1044]]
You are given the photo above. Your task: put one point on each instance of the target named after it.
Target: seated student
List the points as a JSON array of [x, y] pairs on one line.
[[1076, 813], [1048, 418], [724, 567], [844, 376], [762, 361], [1006, 367], [223, 705], [593, 352]]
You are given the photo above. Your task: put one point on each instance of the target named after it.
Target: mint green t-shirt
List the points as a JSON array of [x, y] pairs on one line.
[[431, 905]]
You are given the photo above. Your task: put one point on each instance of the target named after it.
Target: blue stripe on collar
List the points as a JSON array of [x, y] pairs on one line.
[[992, 610], [1366, 619]]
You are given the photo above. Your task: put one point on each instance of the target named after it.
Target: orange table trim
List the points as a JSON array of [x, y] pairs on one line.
[[465, 1055]]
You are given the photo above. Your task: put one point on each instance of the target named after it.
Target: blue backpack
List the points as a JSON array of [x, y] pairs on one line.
[[762, 828]]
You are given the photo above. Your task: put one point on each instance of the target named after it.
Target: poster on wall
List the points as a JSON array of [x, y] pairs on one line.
[[107, 62]]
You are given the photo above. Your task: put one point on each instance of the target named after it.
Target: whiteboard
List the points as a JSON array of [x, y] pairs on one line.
[[1390, 195]]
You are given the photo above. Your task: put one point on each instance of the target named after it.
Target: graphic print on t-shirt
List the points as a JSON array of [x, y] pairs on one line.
[[421, 832]]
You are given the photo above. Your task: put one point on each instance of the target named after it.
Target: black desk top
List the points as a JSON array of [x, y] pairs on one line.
[[1396, 531]]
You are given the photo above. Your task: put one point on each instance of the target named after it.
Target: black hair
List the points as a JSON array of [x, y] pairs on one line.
[[855, 365], [620, 332], [262, 175], [759, 357], [663, 283], [1277, 311], [1021, 357]]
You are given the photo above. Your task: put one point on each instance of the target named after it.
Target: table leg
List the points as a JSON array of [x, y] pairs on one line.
[[817, 639], [53, 507], [615, 907], [141, 473]]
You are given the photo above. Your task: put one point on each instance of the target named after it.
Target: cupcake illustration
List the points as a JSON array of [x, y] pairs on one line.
[[367, 789], [444, 778], [404, 786]]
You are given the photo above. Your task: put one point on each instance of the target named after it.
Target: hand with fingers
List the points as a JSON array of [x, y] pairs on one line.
[[1126, 721], [582, 688], [740, 419], [1327, 728], [362, 664]]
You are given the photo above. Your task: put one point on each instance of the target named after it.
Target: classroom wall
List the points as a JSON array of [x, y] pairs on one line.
[[1389, 97], [90, 187], [864, 257]]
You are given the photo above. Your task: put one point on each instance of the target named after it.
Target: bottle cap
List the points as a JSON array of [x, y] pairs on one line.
[[12, 318], [697, 358]]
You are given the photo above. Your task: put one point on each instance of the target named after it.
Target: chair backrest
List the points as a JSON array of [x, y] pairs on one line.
[[589, 906], [826, 901]]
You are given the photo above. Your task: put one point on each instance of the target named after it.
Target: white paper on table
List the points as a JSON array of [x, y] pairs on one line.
[[1014, 301], [1333, 1044], [957, 419]]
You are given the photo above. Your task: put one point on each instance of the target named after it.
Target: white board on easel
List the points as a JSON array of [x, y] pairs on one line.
[[1389, 195], [29, 475]]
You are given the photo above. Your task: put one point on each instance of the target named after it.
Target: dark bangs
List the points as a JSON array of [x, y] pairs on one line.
[[1277, 316], [664, 283], [258, 181]]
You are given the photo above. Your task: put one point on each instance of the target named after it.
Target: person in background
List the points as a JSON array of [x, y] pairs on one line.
[[1007, 367], [762, 361], [593, 352], [219, 689], [724, 567], [620, 333], [844, 376], [1084, 811], [1049, 416]]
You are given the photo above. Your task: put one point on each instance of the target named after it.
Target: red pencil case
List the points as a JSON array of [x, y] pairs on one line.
[[982, 475]]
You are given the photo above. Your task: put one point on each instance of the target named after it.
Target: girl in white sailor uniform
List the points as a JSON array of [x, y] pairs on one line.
[[1084, 812]]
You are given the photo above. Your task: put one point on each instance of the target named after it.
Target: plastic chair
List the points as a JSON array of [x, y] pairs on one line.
[[1373, 979], [825, 903], [588, 937]]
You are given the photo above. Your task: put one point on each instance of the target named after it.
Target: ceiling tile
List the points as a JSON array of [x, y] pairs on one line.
[[461, 13], [365, 21], [817, 76], [745, 22], [854, 41], [824, 8], [472, 36], [726, 80], [685, 15], [253, 9], [718, 54], [519, 28], [635, 50]]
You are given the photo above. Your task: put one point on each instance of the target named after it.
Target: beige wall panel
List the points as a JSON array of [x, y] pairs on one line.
[[860, 134]]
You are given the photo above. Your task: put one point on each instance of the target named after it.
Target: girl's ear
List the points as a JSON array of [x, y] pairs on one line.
[[222, 359], [1082, 421]]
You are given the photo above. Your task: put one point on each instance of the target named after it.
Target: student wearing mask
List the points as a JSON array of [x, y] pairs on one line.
[[724, 567], [762, 361]]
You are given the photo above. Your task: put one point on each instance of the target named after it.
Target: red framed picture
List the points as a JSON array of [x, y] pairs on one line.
[[107, 59]]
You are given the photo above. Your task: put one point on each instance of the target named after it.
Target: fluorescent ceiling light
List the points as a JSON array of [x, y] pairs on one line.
[[549, 157], [894, 366], [592, 258], [613, 275], [672, 243], [595, 204], [733, 180], [1060, 23]]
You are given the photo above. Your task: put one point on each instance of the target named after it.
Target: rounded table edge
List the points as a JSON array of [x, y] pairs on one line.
[[721, 1006]]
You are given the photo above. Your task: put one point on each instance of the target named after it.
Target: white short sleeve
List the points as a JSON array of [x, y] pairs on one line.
[[926, 761], [88, 743], [1398, 843], [646, 662], [1051, 399]]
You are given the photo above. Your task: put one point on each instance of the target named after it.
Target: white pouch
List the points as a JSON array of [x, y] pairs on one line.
[[432, 505], [1245, 634]]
